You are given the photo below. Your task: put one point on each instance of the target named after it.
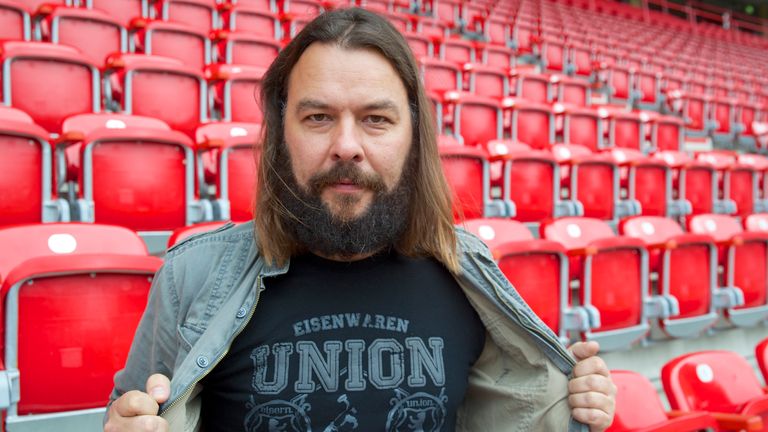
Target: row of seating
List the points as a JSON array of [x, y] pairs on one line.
[[712, 390]]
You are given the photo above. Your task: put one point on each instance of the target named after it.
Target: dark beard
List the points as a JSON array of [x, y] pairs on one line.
[[316, 228]]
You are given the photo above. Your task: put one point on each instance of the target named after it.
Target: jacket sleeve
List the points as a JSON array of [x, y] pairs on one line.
[[155, 343]]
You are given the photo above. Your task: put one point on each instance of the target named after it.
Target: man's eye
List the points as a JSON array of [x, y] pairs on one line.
[[318, 118], [376, 119]]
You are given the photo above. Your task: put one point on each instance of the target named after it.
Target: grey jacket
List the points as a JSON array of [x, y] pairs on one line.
[[209, 288]]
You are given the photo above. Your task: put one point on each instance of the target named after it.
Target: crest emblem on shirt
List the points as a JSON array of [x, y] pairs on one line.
[[279, 416], [418, 412]]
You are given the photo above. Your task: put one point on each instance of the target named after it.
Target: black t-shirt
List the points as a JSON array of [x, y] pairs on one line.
[[380, 344]]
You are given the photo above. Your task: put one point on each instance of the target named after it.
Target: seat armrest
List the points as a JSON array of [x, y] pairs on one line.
[[9, 388], [728, 297]]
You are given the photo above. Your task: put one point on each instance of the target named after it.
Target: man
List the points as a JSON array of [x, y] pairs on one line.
[[374, 312]]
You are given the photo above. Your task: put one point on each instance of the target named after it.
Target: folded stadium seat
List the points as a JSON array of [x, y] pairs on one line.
[[624, 129], [126, 163], [256, 20], [235, 92], [495, 28], [693, 107], [26, 172], [531, 180], [15, 23], [531, 123], [524, 37], [199, 14], [666, 132], [687, 267], [649, 181], [91, 31], [421, 46], [746, 115], [497, 56], [475, 119], [73, 295], [529, 85], [579, 59], [553, 54], [737, 183], [618, 80], [744, 258], [489, 81], [468, 174], [579, 125], [440, 75], [456, 50], [159, 87], [649, 87], [229, 156], [121, 10], [761, 354], [187, 44], [35, 73], [570, 91], [759, 164], [538, 269], [429, 26], [244, 49], [635, 391], [183, 233], [721, 383], [263, 5], [598, 259], [447, 11], [694, 181], [593, 180]]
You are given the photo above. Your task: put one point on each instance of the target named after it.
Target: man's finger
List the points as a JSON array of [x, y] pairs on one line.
[[591, 400], [592, 383], [596, 419], [159, 387], [135, 403], [583, 350], [592, 365]]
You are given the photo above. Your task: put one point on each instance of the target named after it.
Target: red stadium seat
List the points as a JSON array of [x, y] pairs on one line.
[[254, 20], [593, 180], [92, 31], [687, 268], [761, 354], [232, 160], [245, 49], [619, 82], [570, 91], [649, 88], [694, 181], [122, 10], [457, 50], [32, 5], [623, 129], [553, 54], [498, 56], [484, 80], [538, 269], [125, 162], [737, 183], [65, 288], [199, 14], [598, 259], [476, 119], [15, 23], [579, 125], [235, 92], [530, 122], [265, 5], [440, 75], [531, 180], [181, 234], [159, 87], [693, 108], [26, 172], [187, 44], [421, 46], [744, 257], [666, 132], [721, 383], [638, 408], [531, 86], [36, 76], [467, 172]]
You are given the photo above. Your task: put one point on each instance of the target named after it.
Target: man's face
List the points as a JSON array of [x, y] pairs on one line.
[[347, 127]]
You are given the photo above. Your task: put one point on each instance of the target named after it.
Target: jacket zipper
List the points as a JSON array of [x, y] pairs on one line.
[[556, 345], [188, 390]]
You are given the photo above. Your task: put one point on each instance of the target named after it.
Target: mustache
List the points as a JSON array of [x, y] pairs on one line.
[[347, 172]]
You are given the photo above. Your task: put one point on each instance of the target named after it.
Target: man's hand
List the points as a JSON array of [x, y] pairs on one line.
[[592, 393], [137, 411]]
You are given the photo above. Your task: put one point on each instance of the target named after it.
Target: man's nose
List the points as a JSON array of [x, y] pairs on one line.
[[347, 141]]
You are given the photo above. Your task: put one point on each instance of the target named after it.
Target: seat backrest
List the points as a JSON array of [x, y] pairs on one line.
[[651, 229], [14, 21], [576, 232], [23, 242], [91, 31], [633, 391], [122, 10], [531, 123], [465, 169], [720, 227], [194, 13], [253, 20], [710, 381], [440, 75], [184, 43], [494, 232], [477, 119]]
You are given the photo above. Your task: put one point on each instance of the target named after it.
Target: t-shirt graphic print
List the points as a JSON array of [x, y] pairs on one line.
[[382, 344]]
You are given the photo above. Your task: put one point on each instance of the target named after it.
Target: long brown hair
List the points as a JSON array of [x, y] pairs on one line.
[[429, 230]]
